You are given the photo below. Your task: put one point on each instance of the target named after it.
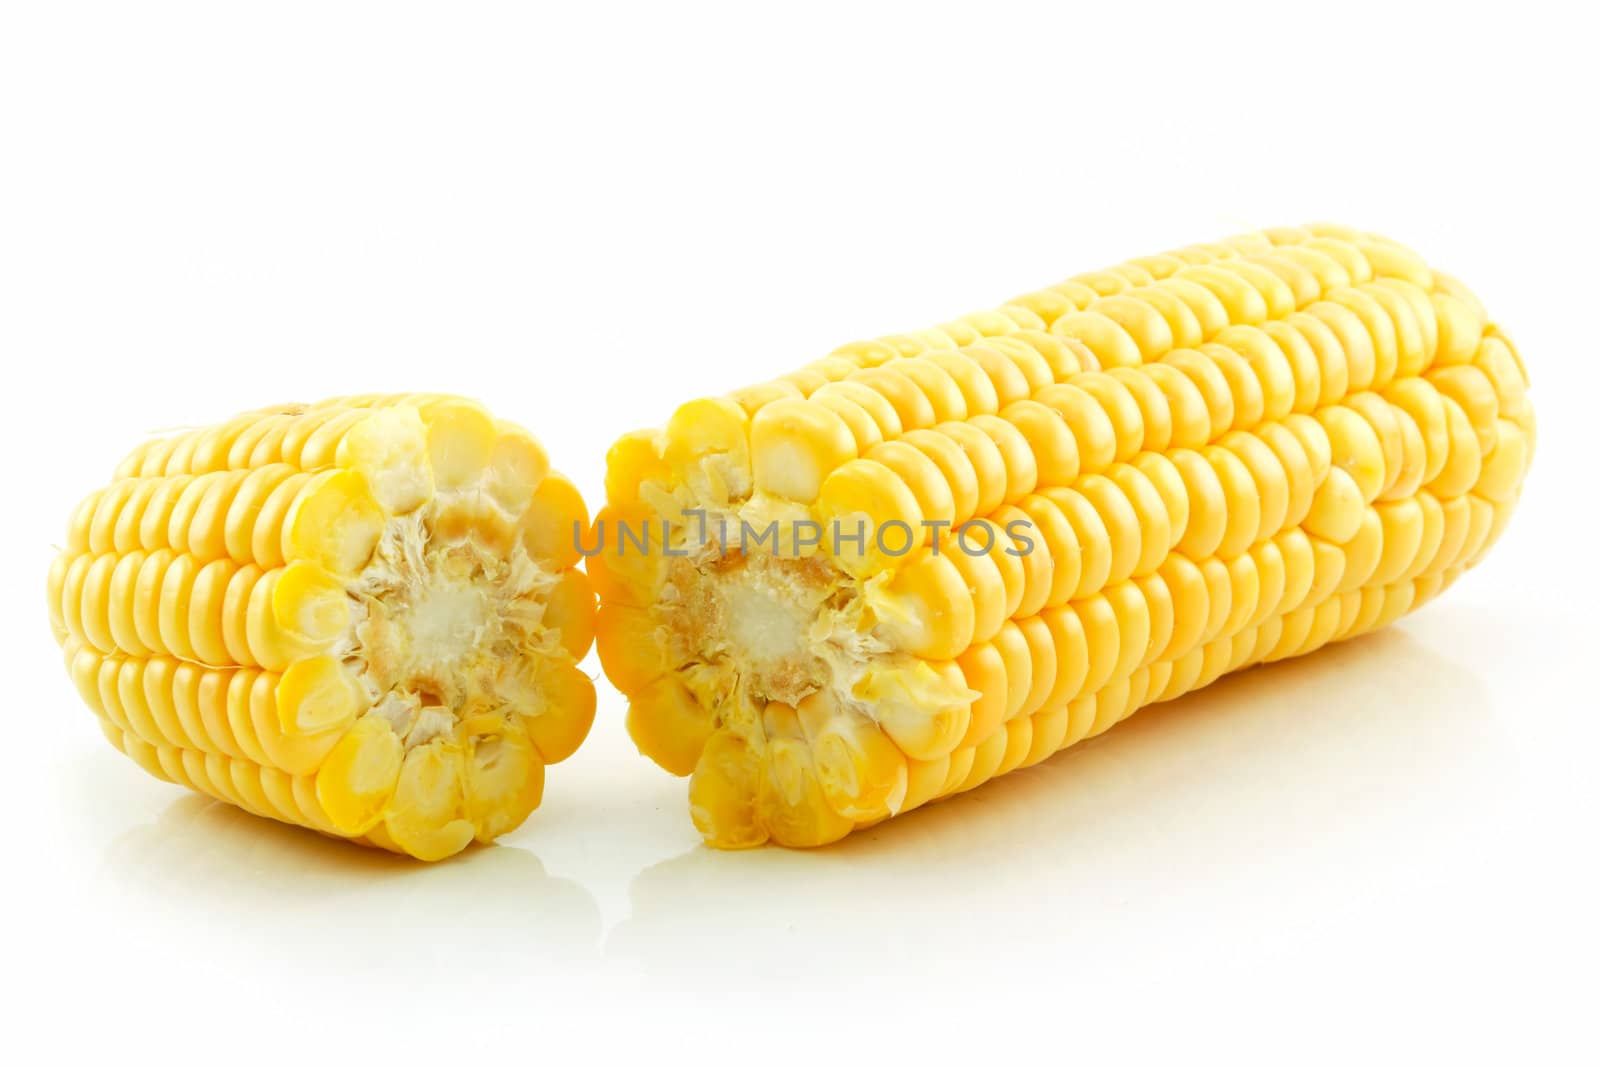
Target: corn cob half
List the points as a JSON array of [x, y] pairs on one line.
[[1101, 495], [360, 616]]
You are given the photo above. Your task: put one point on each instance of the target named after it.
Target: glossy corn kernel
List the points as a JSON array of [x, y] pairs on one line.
[[359, 616], [1103, 495]]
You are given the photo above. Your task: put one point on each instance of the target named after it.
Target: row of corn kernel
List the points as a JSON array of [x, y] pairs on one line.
[[1167, 305], [1049, 658], [1436, 559], [219, 613], [1422, 542], [1416, 435], [300, 435], [1102, 530], [1370, 436], [264, 791], [234, 513], [1215, 389], [1233, 392], [266, 774], [1391, 542], [1401, 320], [297, 798], [240, 713], [1029, 739]]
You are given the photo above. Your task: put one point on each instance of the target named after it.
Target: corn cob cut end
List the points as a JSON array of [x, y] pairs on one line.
[[360, 616], [753, 655]]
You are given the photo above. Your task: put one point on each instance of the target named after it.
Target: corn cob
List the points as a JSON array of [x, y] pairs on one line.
[[360, 616], [1182, 466]]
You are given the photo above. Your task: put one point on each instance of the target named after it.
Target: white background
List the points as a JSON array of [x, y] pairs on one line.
[[584, 216]]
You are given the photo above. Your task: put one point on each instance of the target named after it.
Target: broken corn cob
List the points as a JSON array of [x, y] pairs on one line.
[[1194, 462], [360, 616]]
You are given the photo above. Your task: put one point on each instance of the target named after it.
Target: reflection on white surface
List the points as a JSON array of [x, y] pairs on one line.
[[1273, 794], [282, 890], [1280, 794]]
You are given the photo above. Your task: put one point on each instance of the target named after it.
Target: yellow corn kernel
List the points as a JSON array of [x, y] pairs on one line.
[[795, 445], [335, 523], [426, 814], [633, 646], [356, 782], [1355, 448], [861, 772], [634, 460], [388, 449], [1111, 343], [504, 775], [724, 792], [559, 717], [864, 496], [668, 724], [927, 608], [554, 524], [922, 710]]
